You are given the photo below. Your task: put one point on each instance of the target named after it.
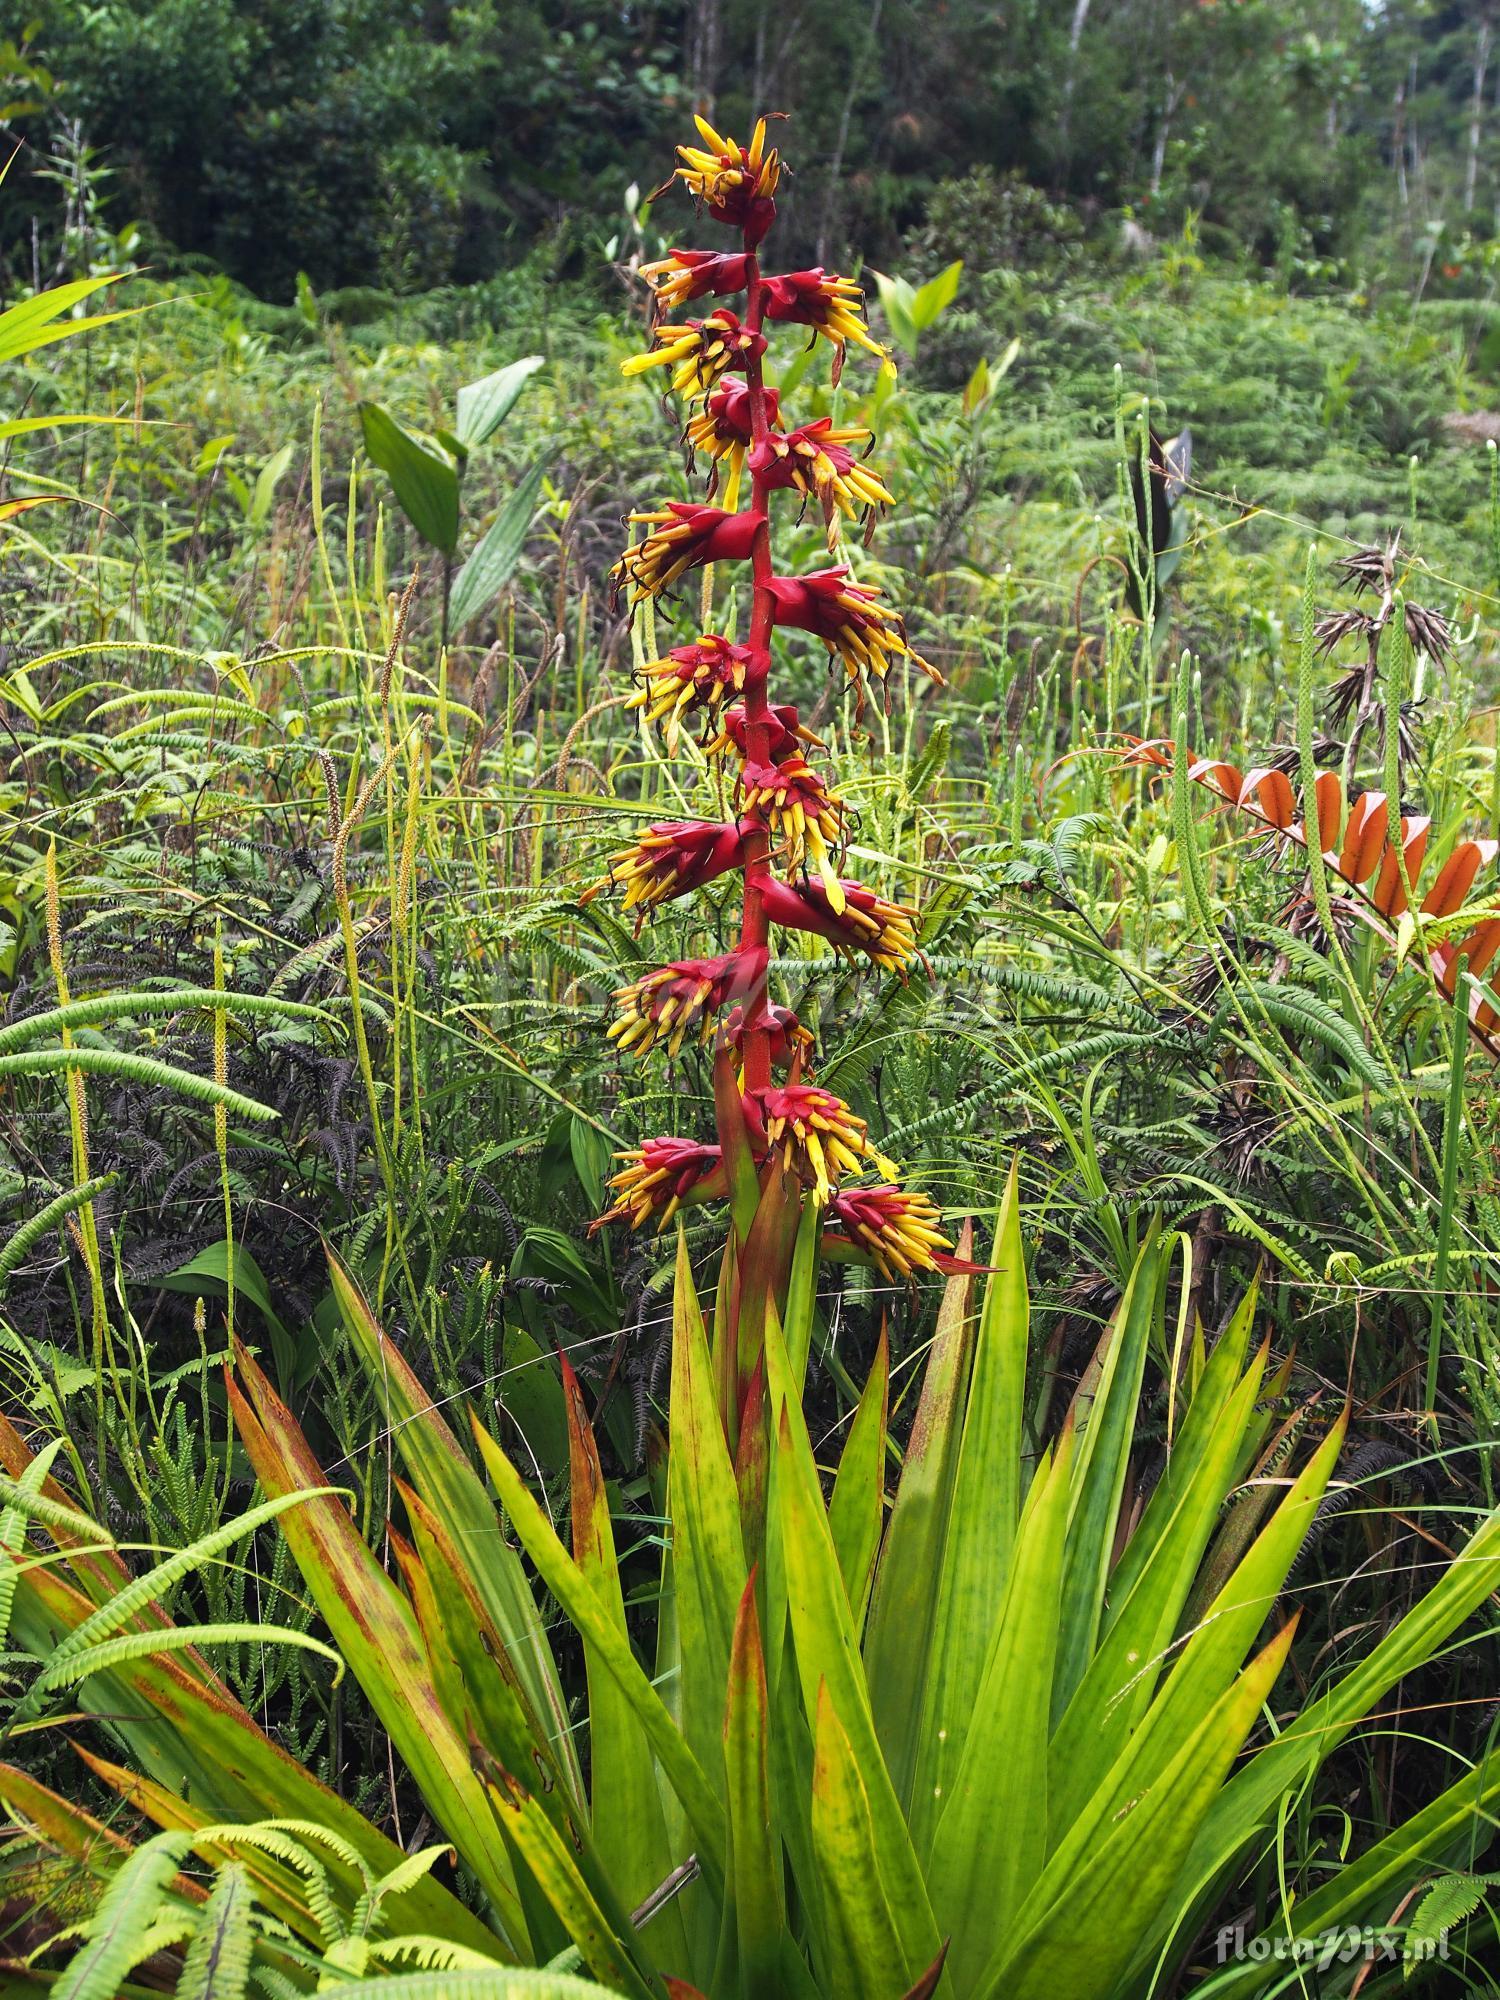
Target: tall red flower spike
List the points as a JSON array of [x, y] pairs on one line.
[[792, 825]]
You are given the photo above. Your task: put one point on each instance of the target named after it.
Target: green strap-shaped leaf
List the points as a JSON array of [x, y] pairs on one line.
[[826, 1650], [1105, 1441], [991, 1840], [901, 1638], [1134, 1653], [1082, 1928], [378, 1636], [870, 1959], [754, 1903], [628, 1825], [856, 1510], [708, 1558], [981, 1522], [452, 1488], [579, 1601], [1450, 1831]]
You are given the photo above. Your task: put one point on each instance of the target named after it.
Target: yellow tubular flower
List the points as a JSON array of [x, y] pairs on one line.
[[816, 460], [703, 676], [665, 1004], [735, 182], [682, 537], [801, 813], [819, 1138], [832, 306], [700, 352], [900, 1231], [850, 619], [658, 1178]]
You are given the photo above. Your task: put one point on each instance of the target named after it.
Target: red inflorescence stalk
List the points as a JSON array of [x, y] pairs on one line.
[[788, 816]]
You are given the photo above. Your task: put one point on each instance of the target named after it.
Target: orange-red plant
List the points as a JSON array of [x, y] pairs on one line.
[[790, 822], [1355, 840]]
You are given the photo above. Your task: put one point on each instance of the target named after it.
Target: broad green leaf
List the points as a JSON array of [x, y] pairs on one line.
[[1099, 1481], [483, 406], [1082, 1928], [628, 1825], [580, 1602], [454, 1491], [901, 1639], [982, 1521], [869, 1954], [1450, 1831], [266, 482], [1135, 1651], [708, 1558], [755, 1904], [991, 1840], [826, 1649], [207, 1275], [377, 1633], [493, 562], [856, 1510], [935, 296], [897, 300], [425, 484]]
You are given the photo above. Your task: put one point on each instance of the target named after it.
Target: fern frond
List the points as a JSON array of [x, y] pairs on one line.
[[144, 1070]]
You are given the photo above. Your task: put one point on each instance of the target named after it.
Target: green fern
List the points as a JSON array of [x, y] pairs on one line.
[[217, 1963]]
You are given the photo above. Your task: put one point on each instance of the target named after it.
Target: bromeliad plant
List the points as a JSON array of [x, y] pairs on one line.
[[1002, 1732], [791, 823]]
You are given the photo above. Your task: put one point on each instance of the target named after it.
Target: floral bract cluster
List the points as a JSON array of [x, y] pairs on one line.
[[790, 826]]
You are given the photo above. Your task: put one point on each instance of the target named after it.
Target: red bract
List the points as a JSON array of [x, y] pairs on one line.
[[659, 1177], [663, 1005], [701, 676], [734, 182], [700, 352], [682, 536], [783, 1031], [832, 306], [722, 430], [816, 460], [858, 921], [669, 859], [898, 1230], [817, 1136], [785, 735], [850, 619], [791, 816], [695, 274]]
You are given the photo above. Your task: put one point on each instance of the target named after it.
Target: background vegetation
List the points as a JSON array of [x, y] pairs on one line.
[[312, 860]]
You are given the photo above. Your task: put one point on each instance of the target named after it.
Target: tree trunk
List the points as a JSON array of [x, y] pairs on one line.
[[1070, 80], [1164, 132], [1476, 114], [703, 56], [836, 164]]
